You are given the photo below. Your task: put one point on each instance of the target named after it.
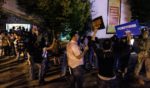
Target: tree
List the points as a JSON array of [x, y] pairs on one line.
[[77, 13], [59, 14], [51, 12]]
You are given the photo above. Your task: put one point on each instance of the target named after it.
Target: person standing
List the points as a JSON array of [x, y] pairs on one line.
[[142, 48], [20, 45], [35, 47], [123, 54], [75, 60], [6, 44], [106, 61]]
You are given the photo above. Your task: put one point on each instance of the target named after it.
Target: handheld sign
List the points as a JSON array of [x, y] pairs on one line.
[[132, 27], [98, 23]]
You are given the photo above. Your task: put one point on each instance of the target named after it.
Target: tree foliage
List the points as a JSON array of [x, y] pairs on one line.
[[59, 14], [77, 13]]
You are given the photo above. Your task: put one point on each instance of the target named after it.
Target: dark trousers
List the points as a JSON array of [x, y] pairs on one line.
[[7, 50], [77, 77], [123, 62], [63, 59], [42, 69]]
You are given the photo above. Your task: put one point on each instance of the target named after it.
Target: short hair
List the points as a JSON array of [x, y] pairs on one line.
[[73, 33]]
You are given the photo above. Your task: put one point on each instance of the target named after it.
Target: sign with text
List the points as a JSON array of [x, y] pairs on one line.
[[131, 27]]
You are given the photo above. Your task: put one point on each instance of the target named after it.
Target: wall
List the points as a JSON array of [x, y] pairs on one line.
[[100, 8]]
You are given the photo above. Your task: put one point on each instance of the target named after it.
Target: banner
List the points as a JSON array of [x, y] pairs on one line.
[[132, 27], [125, 15], [113, 15]]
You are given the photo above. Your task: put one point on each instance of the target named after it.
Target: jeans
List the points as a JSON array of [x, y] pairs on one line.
[[91, 57], [132, 64], [63, 64], [77, 77], [42, 69], [32, 68]]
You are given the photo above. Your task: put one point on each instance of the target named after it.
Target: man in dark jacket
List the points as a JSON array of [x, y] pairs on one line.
[[35, 46]]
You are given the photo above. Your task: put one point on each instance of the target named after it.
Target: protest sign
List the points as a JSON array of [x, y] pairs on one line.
[[132, 27]]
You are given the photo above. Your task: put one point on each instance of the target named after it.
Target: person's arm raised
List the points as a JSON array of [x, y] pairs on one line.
[[94, 34], [83, 53]]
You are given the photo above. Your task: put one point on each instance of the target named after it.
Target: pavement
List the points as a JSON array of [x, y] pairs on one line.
[[14, 74]]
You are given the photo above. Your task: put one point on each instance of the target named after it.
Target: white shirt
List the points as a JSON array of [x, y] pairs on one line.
[[73, 50]]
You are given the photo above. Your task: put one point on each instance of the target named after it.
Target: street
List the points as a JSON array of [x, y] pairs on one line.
[[14, 74]]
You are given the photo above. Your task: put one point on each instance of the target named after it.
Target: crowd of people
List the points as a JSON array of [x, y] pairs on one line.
[[31, 46], [115, 59], [110, 58]]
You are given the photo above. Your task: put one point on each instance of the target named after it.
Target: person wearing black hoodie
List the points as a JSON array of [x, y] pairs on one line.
[[106, 61]]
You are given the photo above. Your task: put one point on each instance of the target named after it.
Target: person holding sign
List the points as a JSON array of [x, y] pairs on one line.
[[97, 24], [106, 61], [132, 27], [75, 60], [92, 43], [124, 46], [142, 48]]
